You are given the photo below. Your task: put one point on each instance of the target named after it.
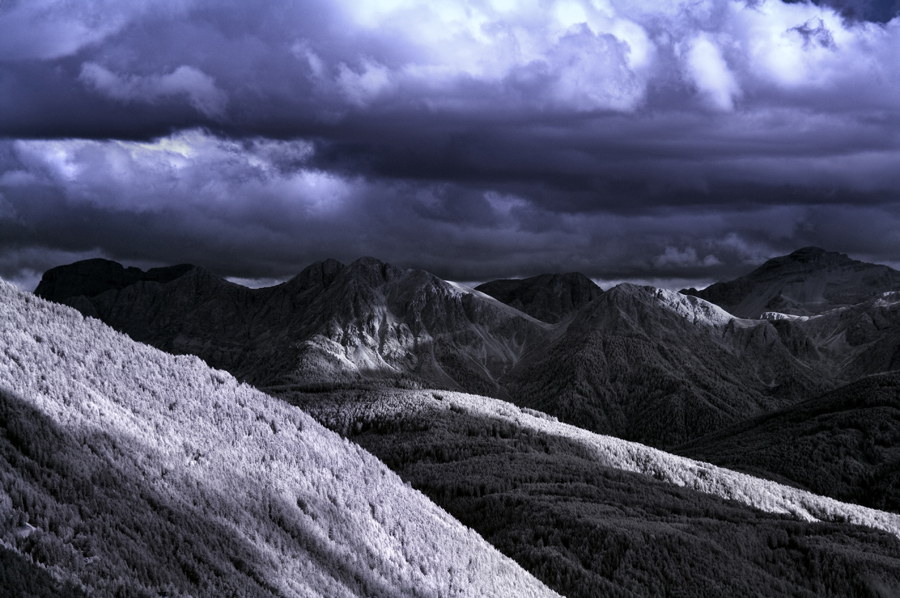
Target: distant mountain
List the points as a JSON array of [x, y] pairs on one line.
[[637, 362], [658, 367], [594, 515], [95, 276], [845, 444], [806, 282], [329, 324], [548, 297], [125, 471], [855, 341]]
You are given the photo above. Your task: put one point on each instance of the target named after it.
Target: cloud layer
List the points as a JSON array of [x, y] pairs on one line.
[[628, 140]]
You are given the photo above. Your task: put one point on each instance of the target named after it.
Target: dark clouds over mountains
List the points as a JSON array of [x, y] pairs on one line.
[[482, 139]]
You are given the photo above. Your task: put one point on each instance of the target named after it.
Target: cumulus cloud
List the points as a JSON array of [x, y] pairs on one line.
[[710, 73], [484, 137]]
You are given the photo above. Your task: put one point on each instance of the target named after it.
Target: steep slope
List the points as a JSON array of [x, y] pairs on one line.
[[657, 367], [593, 515], [331, 323], [808, 281], [845, 444], [857, 341], [548, 297], [127, 471]]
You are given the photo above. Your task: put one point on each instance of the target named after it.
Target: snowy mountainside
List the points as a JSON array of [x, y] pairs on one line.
[[128, 470]]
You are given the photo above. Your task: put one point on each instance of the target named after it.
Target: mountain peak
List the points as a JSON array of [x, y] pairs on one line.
[[812, 255], [547, 297], [808, 281], [320, 274], [808, 254]]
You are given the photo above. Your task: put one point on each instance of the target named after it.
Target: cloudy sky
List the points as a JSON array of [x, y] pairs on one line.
[[668, 142]]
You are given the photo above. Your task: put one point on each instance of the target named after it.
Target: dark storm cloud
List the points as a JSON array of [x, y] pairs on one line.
[[880, 11], [475, 139]]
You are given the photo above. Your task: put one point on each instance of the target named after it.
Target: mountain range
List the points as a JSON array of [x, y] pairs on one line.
[[330, 323], [640, 363], [787, 374]]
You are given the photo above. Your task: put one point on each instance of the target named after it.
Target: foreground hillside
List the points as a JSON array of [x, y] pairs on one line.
[[127, 471], [593, 515]]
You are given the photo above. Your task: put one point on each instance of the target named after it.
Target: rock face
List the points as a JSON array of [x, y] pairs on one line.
[[808, 281], [548, 297], [331, 323]]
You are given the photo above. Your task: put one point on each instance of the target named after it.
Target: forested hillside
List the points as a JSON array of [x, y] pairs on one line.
[[594, 515], [660, 368], [845, 444], [125, 471]]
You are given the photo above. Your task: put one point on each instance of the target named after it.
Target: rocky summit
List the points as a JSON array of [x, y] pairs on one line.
[[806, 282]]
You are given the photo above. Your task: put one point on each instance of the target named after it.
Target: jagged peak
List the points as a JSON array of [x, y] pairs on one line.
[[548, 297], [373, 271]]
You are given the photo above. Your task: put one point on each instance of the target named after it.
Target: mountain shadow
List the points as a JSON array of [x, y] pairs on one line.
[[844, 444], [589, 529]]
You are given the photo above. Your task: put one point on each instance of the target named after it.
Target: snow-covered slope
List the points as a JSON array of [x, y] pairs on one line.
[[125, 469]]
